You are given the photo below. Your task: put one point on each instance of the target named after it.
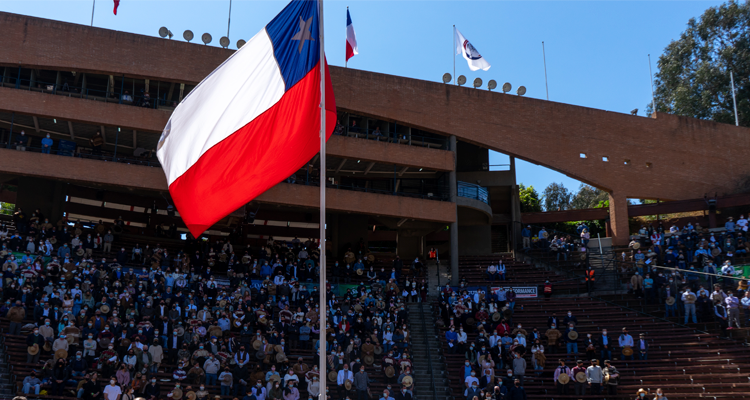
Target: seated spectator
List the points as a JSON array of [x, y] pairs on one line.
[[126, 97]]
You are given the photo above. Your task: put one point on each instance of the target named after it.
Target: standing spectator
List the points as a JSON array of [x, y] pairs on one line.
[[517, 392], [571, 340], [16, 315], [526, 236], [519, 367], [733, 309], [112, 391], [624, 341], [642, 346], [689, 298], [562, 388], [21, 141], [614, 377], [580, 387], [361, 380], [595, 377], [47, 144], [226, 380], [108, 239], [96, 145]]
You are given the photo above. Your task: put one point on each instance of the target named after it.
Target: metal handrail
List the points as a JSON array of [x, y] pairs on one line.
[[472, 191], [429, 357]]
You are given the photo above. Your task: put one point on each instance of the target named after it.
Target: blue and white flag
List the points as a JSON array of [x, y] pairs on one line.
[[472, 56]]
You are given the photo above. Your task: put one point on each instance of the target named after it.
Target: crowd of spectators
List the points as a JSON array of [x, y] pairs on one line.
[[100, 323], [504, 353], [691, 272]]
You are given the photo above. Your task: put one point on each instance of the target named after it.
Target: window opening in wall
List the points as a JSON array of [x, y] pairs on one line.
[[583, 155], [605, 159]]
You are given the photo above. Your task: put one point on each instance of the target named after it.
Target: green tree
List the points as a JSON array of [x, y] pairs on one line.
[[529, 199], [693, 78], [556, 197], [588, 197]]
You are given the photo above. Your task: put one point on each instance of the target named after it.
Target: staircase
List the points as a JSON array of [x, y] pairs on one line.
[[430, 382], [7, 387]]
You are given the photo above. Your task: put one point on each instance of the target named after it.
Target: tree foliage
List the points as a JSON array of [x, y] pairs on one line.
[[693, 77], [556, 197], [588, 197], [529, 199]]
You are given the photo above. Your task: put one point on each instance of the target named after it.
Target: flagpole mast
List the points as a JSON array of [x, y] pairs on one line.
[[453, 54], [322, 241], [734, 100], [229, 19], [92, 13], [544, 56], [346, 60]]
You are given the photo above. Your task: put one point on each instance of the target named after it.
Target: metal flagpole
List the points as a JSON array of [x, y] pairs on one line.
[[346, 61], [229, 19], [734, 100], [322, 242], [92, 13], [651, 75], [544, 55], [453, 53]]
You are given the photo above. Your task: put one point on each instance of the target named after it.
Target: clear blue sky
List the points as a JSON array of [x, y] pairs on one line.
[[596, 51]]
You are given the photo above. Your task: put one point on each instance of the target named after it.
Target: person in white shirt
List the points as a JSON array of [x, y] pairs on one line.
[[742, 223], [112, 391], [626, 340], [462, 338], [471, 379], [343, 376]]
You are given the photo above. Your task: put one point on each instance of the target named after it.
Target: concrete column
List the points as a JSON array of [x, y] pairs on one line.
[[454, 225], [618, 218]]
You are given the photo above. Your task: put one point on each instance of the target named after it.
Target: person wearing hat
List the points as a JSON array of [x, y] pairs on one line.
[[626, 341], [344, 375], [563, 383], [361, 381], [579, 376], [226, 380], [31, 382], [641, 394], [595, 377], [34, 339], [614, 377], [571, 340]]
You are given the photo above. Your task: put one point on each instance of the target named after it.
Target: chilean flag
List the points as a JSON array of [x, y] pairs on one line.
[[351, 38], [117, 4], [251, 123]]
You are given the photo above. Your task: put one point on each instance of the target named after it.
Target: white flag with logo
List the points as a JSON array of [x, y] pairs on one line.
[[472, 56]]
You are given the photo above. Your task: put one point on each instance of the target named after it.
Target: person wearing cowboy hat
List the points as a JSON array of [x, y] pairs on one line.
[[614, 377], [641, 394], [562, 388], [341, 378], [34, 339]]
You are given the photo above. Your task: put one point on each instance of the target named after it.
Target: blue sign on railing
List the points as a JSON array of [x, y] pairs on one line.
[[66, 148]]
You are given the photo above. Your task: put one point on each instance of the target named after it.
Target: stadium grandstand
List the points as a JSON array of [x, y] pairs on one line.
[[439, 287]]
